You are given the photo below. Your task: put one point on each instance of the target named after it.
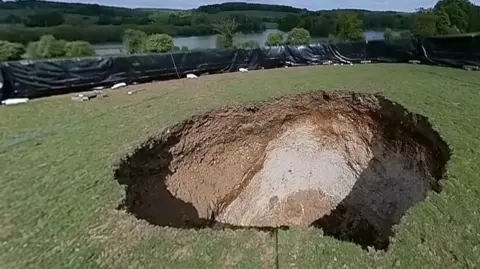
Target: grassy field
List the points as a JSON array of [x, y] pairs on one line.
[[58, 196]]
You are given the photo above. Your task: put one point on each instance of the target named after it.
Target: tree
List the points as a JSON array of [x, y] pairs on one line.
[[159, 43], [443, 22], [349, 27], [79, 49], [31, 51], [247, 24], [44, 19], [199, 18], [322, 25], [458, 17], [47, 47], [458, 12], [236, 6], [11, 51], [226, 30], [252, 44], [13, 19], [275, 39], [388, 34], [222, 43], [425, 23], [159, 17], [474, 19], [288, 22], [332, 38], [453, 30], [465, 5], [405, 34], [298, 36], [134, 41]]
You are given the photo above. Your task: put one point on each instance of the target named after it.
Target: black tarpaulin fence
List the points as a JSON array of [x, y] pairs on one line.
[[32, 79]]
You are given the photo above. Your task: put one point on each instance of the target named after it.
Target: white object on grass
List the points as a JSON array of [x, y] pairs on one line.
[[135, 91], [118, 85], [243, 70], [15, 101], [191, 76]]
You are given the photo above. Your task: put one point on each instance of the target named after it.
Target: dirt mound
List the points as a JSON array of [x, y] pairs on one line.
[[349, 163]]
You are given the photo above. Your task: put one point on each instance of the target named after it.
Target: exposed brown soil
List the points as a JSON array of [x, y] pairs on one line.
[[351, 164]]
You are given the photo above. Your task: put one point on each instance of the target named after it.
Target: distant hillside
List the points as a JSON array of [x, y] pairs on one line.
[[27, 20], [242, 6], [255, 13], [274, 10]]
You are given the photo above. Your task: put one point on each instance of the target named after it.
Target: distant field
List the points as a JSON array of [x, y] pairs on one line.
[[58, 196], [5, 12], [271, 25], [160, 9], [257, 13], [69, 18]]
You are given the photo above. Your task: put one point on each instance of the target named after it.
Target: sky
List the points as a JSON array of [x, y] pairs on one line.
[[396, 5]]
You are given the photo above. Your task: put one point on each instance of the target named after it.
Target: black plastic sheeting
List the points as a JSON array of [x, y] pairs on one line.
[[57, 76]]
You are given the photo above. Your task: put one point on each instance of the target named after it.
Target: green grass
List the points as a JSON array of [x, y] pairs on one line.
[[58, 196]]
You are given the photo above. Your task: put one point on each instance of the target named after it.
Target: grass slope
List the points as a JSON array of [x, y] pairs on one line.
[[58, 197]]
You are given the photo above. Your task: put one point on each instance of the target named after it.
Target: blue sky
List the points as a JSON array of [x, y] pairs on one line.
[[398, 5]]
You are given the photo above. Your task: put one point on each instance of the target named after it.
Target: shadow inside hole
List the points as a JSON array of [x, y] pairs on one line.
[[365, 216], [352, 221], [378, 200], [147, 196]]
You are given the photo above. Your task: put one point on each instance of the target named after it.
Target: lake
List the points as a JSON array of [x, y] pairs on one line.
[[208, 42]]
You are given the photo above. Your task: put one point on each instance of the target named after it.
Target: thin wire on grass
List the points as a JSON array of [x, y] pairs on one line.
[[175, 65], [176, 69]]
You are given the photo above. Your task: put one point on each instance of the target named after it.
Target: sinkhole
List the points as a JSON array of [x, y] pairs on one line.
[[350, 164]]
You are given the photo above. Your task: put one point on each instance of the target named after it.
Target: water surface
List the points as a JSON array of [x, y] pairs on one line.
[[209, 42]]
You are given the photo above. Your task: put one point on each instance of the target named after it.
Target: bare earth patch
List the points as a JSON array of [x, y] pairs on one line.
[[351, 164]]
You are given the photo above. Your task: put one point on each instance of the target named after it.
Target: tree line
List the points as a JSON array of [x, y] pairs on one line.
[[217, 8], [171, 24], [48, 46], [138, 42], [99, 24], [446, 17], [28, 20]]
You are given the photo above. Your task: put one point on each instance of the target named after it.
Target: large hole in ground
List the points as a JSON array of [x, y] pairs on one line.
[[348, 163]]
